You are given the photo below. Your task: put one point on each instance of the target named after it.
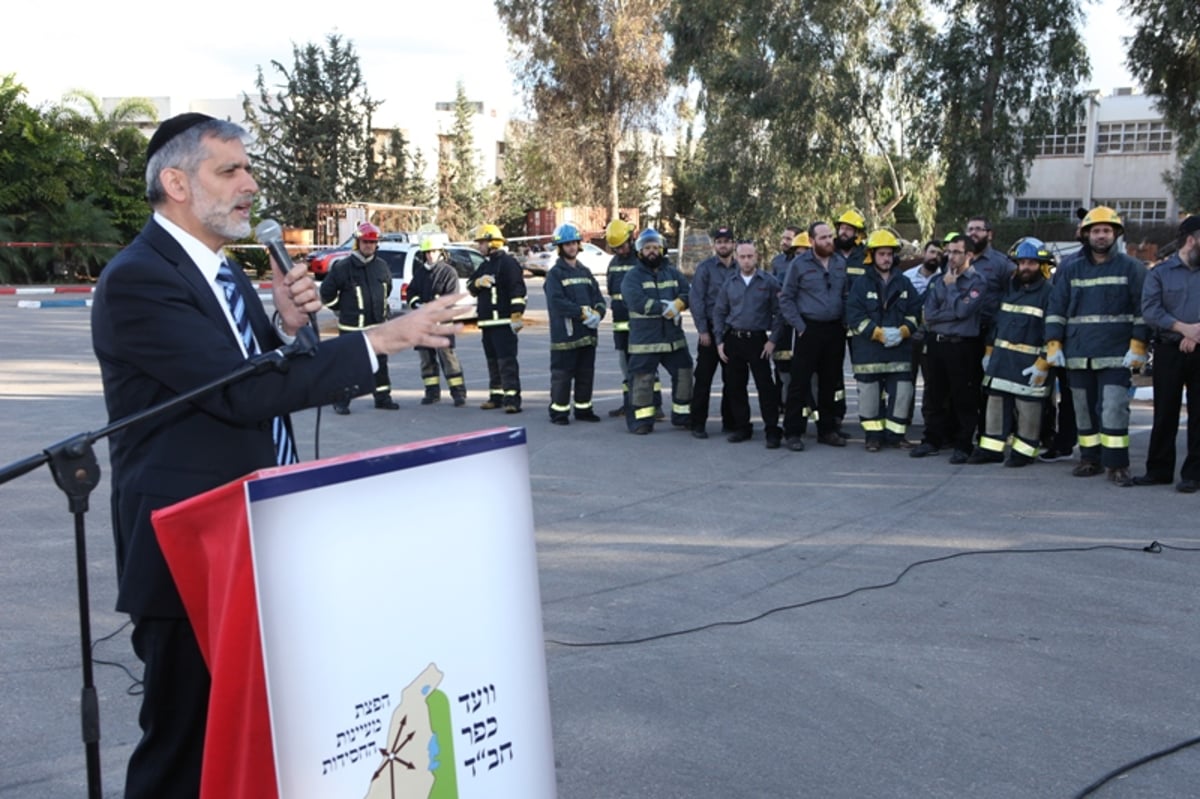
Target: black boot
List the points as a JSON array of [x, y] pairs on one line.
[[384, 402]]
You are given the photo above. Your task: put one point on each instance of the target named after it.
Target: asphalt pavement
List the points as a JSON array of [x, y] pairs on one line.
[[722, 620]]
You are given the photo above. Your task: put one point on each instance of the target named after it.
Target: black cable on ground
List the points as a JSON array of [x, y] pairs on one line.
[[1141, 761], [1153, 548]]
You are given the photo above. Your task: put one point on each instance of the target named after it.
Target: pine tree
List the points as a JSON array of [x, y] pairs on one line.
[[314, 132], [462, 200]]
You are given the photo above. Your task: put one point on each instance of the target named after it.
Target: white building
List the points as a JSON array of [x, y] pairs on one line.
[[1116, 157]]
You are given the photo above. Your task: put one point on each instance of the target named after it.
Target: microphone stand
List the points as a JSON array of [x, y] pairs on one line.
[[73, 463]]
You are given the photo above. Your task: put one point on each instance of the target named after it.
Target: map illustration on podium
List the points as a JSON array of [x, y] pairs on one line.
[[418, 761]]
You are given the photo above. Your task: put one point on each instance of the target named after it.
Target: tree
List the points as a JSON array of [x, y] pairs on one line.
[[998, 76], [314, 131], [462, 200], [114, 153], [1164, 55], [42, 168], [800, 113], [1185, 182], [595, 71], [400, 173]]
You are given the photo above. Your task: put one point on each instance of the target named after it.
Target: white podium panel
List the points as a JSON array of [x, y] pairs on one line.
[[401, 623]]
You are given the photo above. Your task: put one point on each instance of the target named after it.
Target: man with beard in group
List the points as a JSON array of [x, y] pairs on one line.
[[850, 243], [1094, 327], [711, 276], [787, 251], [656, 294], [1014, 370], [991, 264], [813, 302]]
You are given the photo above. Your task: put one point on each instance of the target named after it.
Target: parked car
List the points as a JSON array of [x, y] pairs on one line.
[[403, 257], [595, 259], [319, 262], [538, 263]]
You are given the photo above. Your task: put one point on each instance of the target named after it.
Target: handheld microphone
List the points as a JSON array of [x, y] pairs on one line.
[[269, 234]]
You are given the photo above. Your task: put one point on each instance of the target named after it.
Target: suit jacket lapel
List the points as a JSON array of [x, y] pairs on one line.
[[187, 270]]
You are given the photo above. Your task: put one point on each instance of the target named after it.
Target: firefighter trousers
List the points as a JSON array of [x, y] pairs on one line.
[[643, 374]]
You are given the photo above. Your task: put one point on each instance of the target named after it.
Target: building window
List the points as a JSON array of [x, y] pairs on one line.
[[477, 107], [1133, 137], [1046, 209], [1063, 142], [1144, 212]]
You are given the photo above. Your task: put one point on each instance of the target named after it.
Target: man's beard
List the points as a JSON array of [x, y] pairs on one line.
[[1193, 258], [1101, 250], [844, 243], [978, 247], [1025, 278], [652, 261], [216, 219]]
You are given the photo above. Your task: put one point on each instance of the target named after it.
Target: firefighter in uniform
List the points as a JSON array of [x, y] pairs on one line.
[[851, 230], [882, 312], [619, 235], [1015, 370], [1094, 327], [575, 306], [656, 294], [498, 286], [746, 325], [434, 277], [357, 289], [784, 348]]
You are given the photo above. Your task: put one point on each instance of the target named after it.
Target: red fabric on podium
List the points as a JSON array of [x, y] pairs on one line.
[[206, 541]]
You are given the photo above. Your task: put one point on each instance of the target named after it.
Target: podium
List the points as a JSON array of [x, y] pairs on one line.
[[372, 624]]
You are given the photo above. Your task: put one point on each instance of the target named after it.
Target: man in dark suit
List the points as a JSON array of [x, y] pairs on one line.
[[170, 315]]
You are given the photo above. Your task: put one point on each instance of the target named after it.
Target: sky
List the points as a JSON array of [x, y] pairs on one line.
[[412, 53]]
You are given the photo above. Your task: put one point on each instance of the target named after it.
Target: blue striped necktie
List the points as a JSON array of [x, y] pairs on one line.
[[285, 449]]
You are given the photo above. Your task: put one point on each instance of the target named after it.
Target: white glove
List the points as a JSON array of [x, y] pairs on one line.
[[1057, 359], [517, 322], [1133, 360], [892, 337], [592, 320], [485, 282], [670, 311], [1037, 376], [987, 358]]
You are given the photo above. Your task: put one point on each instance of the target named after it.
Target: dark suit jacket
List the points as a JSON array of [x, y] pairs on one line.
[[158, 330]]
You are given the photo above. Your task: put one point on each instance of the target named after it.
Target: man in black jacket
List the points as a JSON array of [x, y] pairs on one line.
[[356, 289], [170, 315]]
